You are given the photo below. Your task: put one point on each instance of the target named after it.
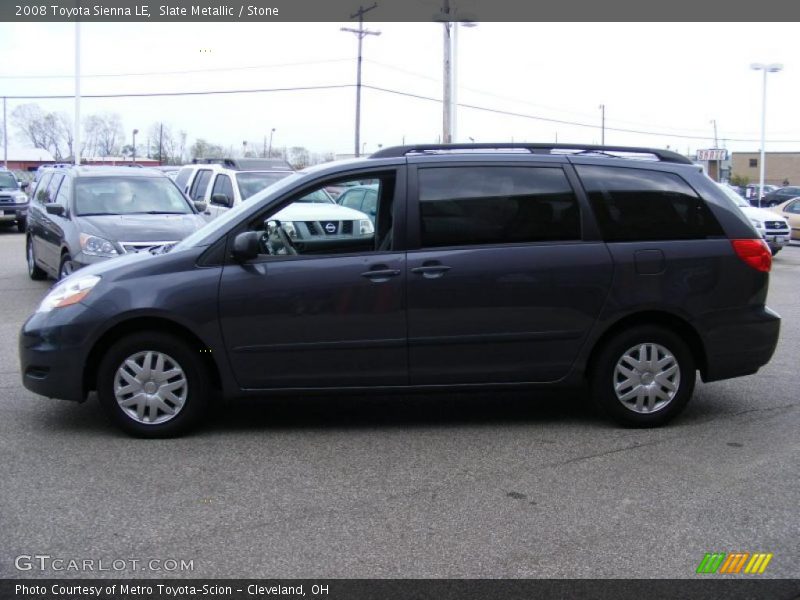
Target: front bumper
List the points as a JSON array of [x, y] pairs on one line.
[[739, 342], [13, 212], [776, 239], [53, 348]]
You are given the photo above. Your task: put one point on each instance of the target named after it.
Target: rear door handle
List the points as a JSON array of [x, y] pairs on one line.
[[431, 271], [380, 275]]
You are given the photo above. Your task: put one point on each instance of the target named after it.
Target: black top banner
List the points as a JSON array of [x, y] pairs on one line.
[[397, 10]]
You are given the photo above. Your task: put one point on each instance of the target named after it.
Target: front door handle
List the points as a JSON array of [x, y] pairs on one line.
[[431, 271], [379, 275]]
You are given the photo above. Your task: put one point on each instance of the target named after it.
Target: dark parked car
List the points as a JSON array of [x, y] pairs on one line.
[[83, 215], [361, 197], [779, 196], [490, 266], [13, 200]]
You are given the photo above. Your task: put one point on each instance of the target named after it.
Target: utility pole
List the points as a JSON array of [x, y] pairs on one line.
[[447, 77], [160, 143], [5, 134], [360, 33], [602, 124], [716, 140]]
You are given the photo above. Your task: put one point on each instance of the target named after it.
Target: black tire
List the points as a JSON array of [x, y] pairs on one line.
[[64, 267], [775, 251], [195, 392], [22, 225], [603, 376], [34, 272]]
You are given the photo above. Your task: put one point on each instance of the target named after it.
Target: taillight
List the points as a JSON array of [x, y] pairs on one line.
[[755, 253]]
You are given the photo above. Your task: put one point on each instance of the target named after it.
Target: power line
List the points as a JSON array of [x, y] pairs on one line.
[[184, 72], [573, 123], [397, 93], [203, 93], [526, 102]]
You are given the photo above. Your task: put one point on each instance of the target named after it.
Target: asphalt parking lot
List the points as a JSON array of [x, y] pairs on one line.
[[424, 486]]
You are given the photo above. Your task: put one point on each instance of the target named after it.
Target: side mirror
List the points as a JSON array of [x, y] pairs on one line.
[[222, 200], [55, 209], [200, 205], [24, 185], [246, 245]]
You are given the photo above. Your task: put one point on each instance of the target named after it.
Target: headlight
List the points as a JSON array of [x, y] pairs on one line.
[[757, 224], [69, 292], [365, 227], [289, 228], [97, 246], [20, 198]]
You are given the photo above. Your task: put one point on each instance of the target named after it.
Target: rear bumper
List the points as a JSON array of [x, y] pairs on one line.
[[739, 342]]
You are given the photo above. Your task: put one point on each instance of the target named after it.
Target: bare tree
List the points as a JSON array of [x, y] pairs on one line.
[[299, 157], [164, 146], [104, 133], [66, 133], [30, 119], [204, 149]]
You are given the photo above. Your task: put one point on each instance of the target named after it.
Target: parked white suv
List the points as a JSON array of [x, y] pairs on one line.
[[313, 217], [772, 227]]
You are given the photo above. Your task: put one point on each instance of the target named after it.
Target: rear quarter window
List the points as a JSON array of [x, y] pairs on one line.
[[643, 205]]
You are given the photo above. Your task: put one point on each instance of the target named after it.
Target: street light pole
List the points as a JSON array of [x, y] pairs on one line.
[[771, 68], [76, 152], [135, 131], [269, 151]]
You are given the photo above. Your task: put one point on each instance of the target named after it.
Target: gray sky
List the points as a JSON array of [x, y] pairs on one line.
[[656, 77]]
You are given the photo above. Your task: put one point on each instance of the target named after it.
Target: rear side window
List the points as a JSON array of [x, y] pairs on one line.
[[494, 205], [643, 205]]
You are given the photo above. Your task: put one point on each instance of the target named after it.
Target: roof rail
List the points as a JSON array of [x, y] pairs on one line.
[[244, 164], [662, 155]]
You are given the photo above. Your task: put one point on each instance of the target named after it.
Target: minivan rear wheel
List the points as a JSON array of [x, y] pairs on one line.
[[153, 385], [643, 376]]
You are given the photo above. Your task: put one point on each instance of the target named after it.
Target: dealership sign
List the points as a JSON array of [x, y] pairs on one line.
[[712, 154]]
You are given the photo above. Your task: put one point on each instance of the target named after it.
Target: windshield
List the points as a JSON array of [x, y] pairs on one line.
[[128, 196], [736, 198], [252, 182], [207, 234], [7, 180]]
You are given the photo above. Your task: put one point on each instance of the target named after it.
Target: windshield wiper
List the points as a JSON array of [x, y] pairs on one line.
[[157, 212], [96, 214]]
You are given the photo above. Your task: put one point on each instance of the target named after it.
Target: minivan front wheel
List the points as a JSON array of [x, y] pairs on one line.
[[643, 376], [34, 272], [153, 385]]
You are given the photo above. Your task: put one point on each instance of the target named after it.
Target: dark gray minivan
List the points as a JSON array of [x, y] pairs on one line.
[[490, 266]]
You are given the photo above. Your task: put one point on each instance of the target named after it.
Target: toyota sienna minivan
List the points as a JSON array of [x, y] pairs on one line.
[[623, 270]]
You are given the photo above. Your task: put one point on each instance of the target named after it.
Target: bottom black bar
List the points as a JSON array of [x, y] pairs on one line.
[[406, 589]]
